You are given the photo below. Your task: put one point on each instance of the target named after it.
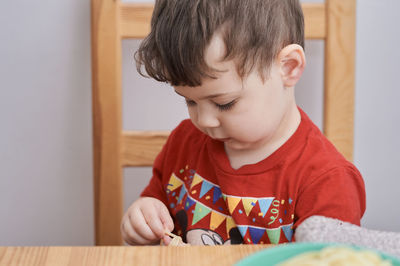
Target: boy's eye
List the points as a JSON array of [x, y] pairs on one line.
[[221, 107], [225, 107]]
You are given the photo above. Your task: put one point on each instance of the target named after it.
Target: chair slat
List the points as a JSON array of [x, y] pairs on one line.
[[339, 75], [314, 20], [107, 121], [135, 20], [140, 148]]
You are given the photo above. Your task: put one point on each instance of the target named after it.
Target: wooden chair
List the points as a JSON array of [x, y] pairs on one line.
[[112, 21]]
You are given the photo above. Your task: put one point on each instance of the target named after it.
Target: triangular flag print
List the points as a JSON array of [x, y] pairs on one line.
[[242, 229], [288, 231], [232, 203], [256, 234], [224, 197], [174, 183], [196, 179], [274, 235], [217, 194], [264, 205], [189, 203], [248, 204], [230, 223], [216, 220], [199, 212], [181, 194], [205, 187]]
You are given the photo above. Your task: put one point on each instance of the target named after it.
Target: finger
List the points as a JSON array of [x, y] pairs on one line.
[[166, 240], [166, 219], [130, 236], [141, 227], [153, 219]]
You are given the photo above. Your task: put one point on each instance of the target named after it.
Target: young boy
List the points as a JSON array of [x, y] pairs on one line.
[[249, 166]]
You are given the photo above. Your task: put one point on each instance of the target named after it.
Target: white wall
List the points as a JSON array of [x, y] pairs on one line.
[[46, 187], [377, 113], [45, 119]]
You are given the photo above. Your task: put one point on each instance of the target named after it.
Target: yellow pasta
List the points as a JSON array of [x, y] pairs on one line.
[[337, 256]]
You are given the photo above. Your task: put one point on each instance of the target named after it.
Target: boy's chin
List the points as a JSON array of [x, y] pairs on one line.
[[242, 146], [232, 144]]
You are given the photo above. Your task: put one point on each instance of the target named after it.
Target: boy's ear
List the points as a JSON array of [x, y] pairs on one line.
[[292, 63]]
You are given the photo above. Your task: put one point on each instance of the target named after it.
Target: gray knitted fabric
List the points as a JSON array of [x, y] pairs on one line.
[[328, 230]]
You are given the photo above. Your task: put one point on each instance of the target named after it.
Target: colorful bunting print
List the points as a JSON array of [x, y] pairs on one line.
[[274, 235], [256, 233], [199, 205], [217, 194], [196, 180], [216, 220], [205, 187], [189, 203], [200, 212], [264, 204], [230, 223], [181, 194], [242, 230], [232, 203], [288, 231], [174, 183], [248, 204]]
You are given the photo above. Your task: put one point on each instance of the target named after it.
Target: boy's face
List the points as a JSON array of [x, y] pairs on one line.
[[246, 114]]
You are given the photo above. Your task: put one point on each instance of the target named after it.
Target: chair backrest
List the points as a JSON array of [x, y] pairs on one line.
[[112, 21]]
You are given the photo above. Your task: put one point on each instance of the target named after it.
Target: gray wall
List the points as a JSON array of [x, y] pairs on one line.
[[46, 195]]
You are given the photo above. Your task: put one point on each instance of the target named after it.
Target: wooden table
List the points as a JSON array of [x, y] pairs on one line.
[[122, 255]]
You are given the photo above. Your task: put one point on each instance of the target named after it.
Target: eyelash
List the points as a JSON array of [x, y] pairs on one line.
[[226, 107], [190, 103], [221, 107]]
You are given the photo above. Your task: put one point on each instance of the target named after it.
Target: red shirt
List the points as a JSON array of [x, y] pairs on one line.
[[212, 203]]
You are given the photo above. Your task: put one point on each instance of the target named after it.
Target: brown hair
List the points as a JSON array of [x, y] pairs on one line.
[[254, 31]]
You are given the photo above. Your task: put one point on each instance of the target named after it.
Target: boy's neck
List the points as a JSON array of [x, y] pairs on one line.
[[289, 125]]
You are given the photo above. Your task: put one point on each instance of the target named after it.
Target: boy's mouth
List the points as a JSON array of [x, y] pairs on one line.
[[224, 139]]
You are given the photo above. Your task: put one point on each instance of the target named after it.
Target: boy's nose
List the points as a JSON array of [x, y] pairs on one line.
[[207, 118]]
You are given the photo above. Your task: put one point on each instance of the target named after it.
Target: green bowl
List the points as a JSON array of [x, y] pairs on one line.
[[276, 255]]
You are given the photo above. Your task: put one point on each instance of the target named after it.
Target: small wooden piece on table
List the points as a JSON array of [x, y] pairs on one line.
[[176, 240]]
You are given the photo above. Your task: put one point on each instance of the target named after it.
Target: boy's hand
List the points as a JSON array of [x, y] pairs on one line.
[[145, 222]]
